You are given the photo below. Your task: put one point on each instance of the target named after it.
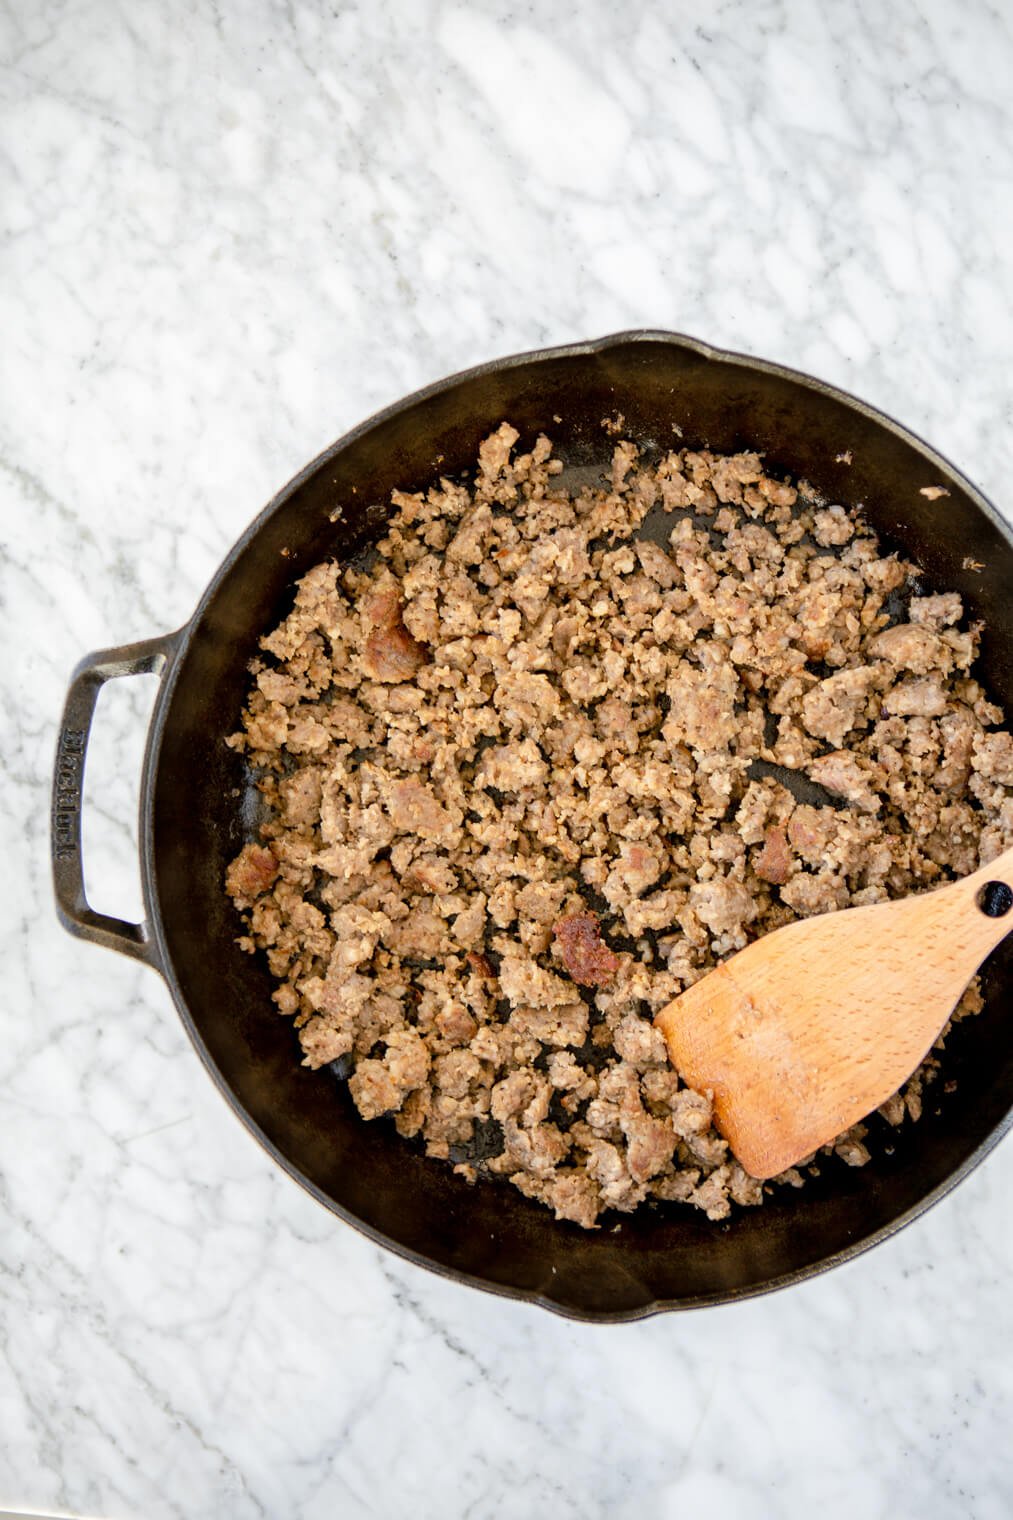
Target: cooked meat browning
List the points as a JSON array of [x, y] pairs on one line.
[[525, 780], [586, 957]]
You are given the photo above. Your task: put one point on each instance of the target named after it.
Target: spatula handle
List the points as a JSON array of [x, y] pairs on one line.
[[979, 910]]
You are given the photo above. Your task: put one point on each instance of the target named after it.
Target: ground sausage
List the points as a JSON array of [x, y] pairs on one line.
[[527, 775]]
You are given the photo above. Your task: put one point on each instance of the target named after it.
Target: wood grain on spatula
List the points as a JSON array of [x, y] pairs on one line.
[[812, 1027]]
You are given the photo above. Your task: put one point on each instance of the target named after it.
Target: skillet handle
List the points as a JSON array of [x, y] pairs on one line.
[[150, 656]]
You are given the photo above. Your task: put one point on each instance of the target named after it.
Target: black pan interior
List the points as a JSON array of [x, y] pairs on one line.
[[199, 816]]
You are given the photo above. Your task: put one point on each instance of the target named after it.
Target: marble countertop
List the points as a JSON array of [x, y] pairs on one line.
[[231, 232]]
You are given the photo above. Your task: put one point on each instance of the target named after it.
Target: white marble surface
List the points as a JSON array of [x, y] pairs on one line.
[[232, 231]]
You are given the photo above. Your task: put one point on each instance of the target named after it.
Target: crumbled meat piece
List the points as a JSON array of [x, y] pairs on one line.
[[323, 1042], [773, 863], [691, 1113], [574, 1196], [832, 527], [893, 1110], [457, 1072], [390, 654], [456, 1024], [523, 981], [357, 931], [638, 1042], [702, 707], [650, 1144], [407, 1058], [712, 1193], [513, 1094], [566, 1073], [562, 1025], [850, 1147], [541, 900], [636, 869], [373, 1089], [480, 965], [918, 696], [992, 757], [538, 1150], [722, 904], [808, 894], [299, 795], [509, 773], [835, 705], [250, 874], [414, 810], [586, 957], [811, 832], [848, 776], [494, 452], [937, 611], [911, 646], [511, 767]]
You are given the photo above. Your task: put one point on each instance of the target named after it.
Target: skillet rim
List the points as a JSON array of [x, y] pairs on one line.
[[182, 640]]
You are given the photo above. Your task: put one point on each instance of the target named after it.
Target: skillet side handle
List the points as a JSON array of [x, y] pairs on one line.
[[150, 656]]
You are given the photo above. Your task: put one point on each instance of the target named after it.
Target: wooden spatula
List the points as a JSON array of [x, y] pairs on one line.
[[810, 1028]]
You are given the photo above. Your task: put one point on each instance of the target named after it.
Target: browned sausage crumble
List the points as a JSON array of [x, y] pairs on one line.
[[531, 773]]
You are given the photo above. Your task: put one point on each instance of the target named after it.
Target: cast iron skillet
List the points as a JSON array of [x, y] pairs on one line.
[[197, 811]]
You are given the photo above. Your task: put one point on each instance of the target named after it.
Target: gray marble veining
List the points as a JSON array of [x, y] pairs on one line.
[[230, 233]]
